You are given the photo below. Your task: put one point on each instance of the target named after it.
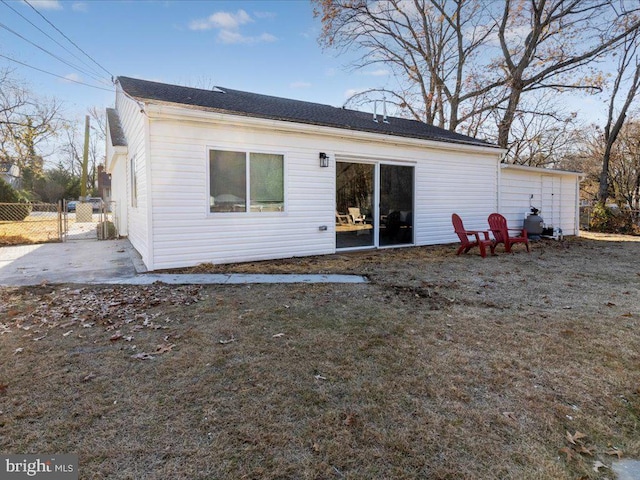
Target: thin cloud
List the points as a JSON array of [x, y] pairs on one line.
[[46, 4], [222, 20], [300, 85], [231, 37], [353, 91], [265, 15], [80, 7], [382, 72], [72, 77], [228, 26]]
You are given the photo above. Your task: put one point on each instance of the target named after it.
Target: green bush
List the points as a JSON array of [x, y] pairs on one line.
[[7, 193], [106, 231], [12, 213], [608, 220]]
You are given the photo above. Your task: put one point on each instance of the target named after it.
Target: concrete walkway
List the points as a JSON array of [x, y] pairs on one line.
[[84, 259]]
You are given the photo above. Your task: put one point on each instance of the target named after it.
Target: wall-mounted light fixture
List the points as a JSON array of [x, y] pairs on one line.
[[324, 159]]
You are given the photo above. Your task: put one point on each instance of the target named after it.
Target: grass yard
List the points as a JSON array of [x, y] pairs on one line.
[[523, 366]]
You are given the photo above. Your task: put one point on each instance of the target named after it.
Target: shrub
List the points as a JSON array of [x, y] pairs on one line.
[[608, 220], [8, 193], [15, 212], [106, 231]]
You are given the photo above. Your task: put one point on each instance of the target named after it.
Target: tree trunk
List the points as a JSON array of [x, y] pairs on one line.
[[504, 127]]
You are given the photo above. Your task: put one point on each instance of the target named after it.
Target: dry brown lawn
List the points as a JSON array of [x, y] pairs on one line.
[[522, 366], [33, 229]]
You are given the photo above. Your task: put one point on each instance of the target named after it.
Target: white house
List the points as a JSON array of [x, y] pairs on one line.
[[227, 176]]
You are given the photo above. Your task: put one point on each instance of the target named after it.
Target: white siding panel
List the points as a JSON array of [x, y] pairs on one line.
[[133, 125], [554, 193], [185, 233], [448, 183]]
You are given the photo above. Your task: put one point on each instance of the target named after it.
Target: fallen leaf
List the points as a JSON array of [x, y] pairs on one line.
[[116, 336], [576, 436], [614, 452], [567, 451], [142, 356], [597, 465], [350, 420], [510, 415], [586, 450], [163, 349]]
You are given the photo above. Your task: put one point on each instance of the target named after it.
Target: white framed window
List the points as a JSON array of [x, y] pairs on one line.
[[234, 173]]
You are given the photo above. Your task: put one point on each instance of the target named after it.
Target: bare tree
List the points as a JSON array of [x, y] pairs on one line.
[[27, 124], [559, 39], [624, 166], [627, 78], [427, 44], [458, 62], [70, 149]]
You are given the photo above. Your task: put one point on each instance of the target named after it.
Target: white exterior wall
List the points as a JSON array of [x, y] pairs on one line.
[[118, 170], [554, 193], [449, 178], [134, 124]]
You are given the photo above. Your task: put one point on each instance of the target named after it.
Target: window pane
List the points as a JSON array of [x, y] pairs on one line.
[[267, 182], [227, 182]]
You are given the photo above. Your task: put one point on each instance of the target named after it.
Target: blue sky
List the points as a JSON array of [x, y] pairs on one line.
[[267, 47], [263, 46]]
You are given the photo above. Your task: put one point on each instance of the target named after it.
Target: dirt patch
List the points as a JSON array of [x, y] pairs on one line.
[[443, 367]]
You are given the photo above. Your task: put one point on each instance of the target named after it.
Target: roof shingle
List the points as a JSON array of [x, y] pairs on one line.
[[226, 100]]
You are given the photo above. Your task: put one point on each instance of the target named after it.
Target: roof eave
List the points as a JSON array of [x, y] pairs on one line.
[[527, 168], [157, 109]]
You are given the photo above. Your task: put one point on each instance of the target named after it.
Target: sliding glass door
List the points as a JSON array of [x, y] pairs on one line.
[[374, 204], [396, 205], [355, 185]]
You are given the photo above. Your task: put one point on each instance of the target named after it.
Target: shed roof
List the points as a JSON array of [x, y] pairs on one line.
[[226, 100]]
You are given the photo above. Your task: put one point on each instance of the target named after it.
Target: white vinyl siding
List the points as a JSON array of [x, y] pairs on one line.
[[134, 127], [447, 183], [554, 193], [185, 233]]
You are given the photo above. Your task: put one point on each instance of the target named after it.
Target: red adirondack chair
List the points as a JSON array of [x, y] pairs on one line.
[[471, 238], [498, 226]]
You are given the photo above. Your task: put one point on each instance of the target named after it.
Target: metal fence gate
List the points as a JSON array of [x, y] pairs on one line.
[[28, 223]]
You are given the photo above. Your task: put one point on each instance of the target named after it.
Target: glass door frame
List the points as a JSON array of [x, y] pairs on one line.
[[376, 199]]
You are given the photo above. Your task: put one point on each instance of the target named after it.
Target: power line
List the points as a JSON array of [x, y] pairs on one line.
[[56, 75], [48, 36], [70, 41], [2, 25]]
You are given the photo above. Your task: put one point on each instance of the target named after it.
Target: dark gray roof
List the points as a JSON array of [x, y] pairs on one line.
[[226, 100], [115, 128]]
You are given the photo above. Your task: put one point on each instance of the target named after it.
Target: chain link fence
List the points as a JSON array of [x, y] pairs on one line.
[[25, 223], [586, 216]]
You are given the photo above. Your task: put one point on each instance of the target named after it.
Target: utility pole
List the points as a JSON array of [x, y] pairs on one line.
[[85, 161]]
